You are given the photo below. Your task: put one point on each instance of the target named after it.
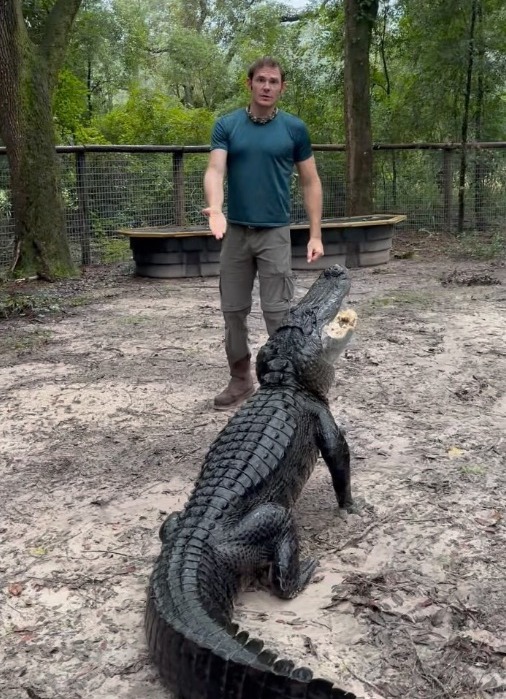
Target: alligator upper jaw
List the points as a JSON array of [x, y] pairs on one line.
[[324, 298]]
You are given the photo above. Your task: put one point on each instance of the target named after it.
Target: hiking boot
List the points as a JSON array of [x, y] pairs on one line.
[[239, 387]]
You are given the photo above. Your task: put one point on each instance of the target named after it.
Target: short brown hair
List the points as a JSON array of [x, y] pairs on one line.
[[265, 62]]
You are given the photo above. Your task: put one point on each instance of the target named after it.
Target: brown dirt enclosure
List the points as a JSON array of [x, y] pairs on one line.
[[106, 387]]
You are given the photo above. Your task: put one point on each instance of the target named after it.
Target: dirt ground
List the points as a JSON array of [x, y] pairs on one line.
[[105, 416]]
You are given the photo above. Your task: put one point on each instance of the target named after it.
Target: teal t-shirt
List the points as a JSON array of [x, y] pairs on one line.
[[260, 161]]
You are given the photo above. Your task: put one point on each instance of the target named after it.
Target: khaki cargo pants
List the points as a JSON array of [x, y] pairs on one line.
[[245, 252]]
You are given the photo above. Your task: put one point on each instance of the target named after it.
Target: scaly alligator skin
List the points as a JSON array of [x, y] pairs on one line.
[[238, 518]]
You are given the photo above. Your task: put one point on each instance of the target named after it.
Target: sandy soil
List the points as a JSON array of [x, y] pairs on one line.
[[105, 417]]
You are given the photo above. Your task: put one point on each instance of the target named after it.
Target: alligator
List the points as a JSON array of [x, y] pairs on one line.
[[238, 519]]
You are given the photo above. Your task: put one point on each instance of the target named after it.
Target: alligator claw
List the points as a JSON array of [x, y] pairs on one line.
[[307, 568], [354, 507]]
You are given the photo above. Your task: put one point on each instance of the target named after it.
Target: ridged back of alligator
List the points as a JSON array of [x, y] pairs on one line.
[[267, 447]]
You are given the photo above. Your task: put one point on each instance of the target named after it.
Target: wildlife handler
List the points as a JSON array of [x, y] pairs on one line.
[[256, 149]]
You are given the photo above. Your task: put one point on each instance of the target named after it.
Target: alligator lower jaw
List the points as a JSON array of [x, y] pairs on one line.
[[342, 326]]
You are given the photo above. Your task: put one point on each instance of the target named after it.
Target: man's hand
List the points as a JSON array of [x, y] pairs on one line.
[[314, 249], [217, 221]]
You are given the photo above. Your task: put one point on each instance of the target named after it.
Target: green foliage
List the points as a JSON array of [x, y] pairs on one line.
[[69, 104], [24, 341], [89, 134], [187, 60], [192, 68], [114, 249], [14, 305], [159, 71], [152, 117], [100, 54], [35, 13], [424, 49], [480, 246]]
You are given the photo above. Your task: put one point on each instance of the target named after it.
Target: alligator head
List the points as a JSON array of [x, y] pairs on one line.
[[304, 349]]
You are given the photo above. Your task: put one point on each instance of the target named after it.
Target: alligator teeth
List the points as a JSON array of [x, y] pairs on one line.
[[343, 323]]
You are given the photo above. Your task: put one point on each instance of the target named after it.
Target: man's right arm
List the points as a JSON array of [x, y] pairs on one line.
[[214, 192]]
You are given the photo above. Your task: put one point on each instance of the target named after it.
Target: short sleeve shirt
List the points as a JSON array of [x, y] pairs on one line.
[[260, 162]]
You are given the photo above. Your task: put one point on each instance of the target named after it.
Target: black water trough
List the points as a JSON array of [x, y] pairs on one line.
[[171, 252]]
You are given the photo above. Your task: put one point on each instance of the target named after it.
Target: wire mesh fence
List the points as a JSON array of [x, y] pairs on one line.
[[436, 194], [108, 188]]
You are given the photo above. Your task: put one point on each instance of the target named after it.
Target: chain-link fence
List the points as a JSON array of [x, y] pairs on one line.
[[107, 188]]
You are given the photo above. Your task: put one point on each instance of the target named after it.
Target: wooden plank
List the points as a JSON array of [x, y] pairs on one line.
[[173, 232], [356, 222], [163, 232]]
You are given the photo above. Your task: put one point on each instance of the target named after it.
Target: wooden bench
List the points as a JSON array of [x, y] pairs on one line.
[[171, 252]]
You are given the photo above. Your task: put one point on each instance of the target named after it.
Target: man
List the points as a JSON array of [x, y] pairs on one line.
[[257, 149]]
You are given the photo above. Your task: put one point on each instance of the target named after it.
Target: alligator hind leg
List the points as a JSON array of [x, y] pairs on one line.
[[289, 576], [267, 535]]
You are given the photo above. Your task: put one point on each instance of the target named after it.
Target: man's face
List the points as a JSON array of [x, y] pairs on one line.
[[266, 87]]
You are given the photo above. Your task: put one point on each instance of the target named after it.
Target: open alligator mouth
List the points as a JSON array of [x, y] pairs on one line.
[[337, 333], [345, 322]]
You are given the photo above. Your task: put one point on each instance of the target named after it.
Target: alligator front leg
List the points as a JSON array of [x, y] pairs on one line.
[[336, 454], [267, 535]]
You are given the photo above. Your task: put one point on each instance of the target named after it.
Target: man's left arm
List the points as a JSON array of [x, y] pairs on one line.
[[312, 194]]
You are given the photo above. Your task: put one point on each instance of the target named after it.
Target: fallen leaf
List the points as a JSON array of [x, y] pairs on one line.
[[310, 646], [455, 452], [37, 551], [488, 518], [438, 618], [15, 589]]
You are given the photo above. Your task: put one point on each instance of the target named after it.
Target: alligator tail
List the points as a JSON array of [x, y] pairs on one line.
[[227, 664]]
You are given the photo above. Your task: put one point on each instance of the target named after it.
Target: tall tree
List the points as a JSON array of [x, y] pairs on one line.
[[479, 165], [465, 115], [360, 16], [32, 51]]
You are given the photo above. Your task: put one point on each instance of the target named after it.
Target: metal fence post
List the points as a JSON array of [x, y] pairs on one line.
[[82, 196], [447, 188], [179, 195]]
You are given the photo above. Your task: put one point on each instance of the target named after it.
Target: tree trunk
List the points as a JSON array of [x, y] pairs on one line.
[[479, 161], [28, 74], [388, 90], [359, 23], [465, 119]]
